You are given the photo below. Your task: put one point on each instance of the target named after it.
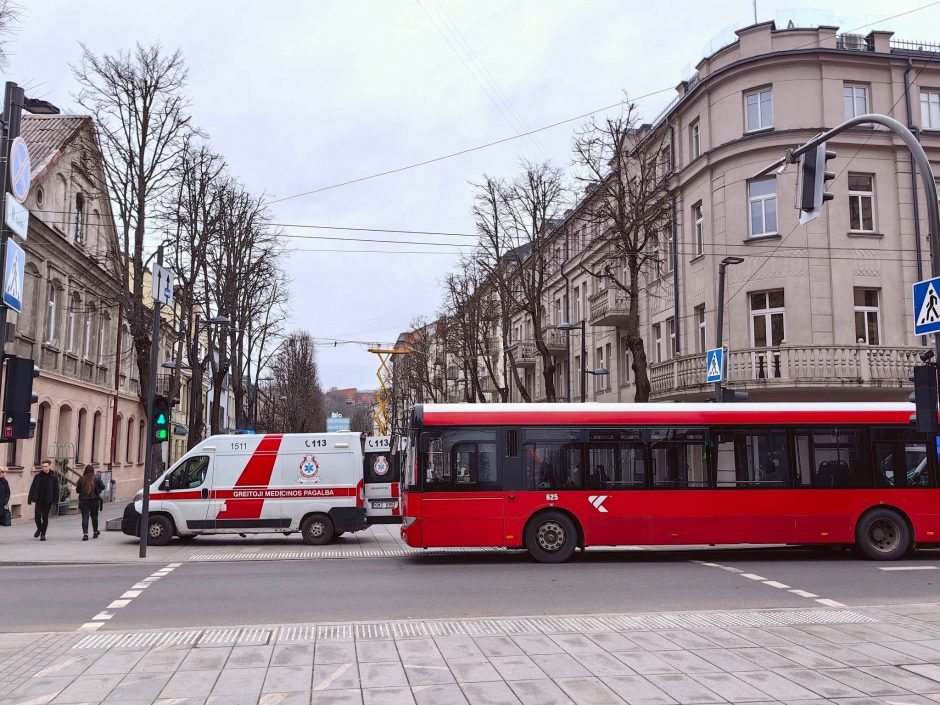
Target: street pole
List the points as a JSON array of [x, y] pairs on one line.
[[583, 361], [13, 99], [148, 458], [720, 319]]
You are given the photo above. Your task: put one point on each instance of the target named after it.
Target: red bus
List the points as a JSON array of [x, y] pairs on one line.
[[554, 477]]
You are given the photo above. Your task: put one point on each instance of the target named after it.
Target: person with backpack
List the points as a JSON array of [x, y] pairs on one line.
[[89, 487]]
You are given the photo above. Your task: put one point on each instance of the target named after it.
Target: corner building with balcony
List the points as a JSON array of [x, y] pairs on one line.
[[821, 311]]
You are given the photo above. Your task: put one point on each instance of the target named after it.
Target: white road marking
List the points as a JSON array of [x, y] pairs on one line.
[[909, 567], [829, 603], [140, 586], [752, 576], [328, 681], [125, 599], [804, 593], [103, 615], [117, 604], [90, 626], [130, 594], [774, 583]]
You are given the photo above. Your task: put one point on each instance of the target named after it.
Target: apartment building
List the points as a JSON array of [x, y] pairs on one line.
[[814, 312]]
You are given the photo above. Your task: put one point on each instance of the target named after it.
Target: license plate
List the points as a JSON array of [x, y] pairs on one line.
[[383, 505]]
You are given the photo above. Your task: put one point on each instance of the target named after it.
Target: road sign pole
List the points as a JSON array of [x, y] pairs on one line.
[[12, 111], [148, 458], [720, 319]]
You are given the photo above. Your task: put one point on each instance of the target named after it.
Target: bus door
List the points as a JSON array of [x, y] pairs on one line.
[[462, 504], [381, 481], [619, 513]]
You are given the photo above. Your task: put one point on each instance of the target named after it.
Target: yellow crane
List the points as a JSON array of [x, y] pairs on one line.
[[383, 396]]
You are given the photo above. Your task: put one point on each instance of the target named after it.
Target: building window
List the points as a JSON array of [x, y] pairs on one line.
[[128, 449], [95, 432], [577, 373], [759, 109], [657, 343], [104, 339], [698, 225], [762, 204], [73, 316], [578, 313], [624, 362], [141, 430], [671, 331], [40, 435], [89, 333], [855, 99], [862, 203], [79, 232], [700, 322], [768, 330], [930, 110], [607, 365], [11, 453], [79, 444], [867, 317], [695, 140], [52, 313]]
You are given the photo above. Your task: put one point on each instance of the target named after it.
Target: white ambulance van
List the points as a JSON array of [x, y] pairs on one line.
[[241, 484], [382, 478]]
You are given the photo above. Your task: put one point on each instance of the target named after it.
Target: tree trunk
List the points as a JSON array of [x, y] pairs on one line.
[[638, 360]]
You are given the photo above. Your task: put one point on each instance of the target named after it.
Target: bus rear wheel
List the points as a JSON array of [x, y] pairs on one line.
[[317, 530], [882, 535], [551, 537]]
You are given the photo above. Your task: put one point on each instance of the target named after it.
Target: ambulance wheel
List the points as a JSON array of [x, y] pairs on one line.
[[317, 529], [160, 530]]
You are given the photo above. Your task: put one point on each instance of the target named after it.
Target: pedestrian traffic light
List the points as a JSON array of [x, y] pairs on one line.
[[18, 397], [924, 397], [811, 191], [730, 395], [161, 420]]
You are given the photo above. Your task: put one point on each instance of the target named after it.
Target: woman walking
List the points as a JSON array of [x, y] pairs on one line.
[[4, 496], [90, 487]]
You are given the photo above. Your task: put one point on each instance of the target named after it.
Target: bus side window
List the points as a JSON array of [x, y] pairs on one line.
[[678, 458], [841, 458], [434, 466], [901, 458]]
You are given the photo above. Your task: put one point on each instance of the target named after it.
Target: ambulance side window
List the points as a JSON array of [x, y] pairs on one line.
[[190, 474]]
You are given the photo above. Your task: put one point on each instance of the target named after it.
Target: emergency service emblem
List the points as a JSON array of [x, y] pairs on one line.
[[380, 467], [309, 470]]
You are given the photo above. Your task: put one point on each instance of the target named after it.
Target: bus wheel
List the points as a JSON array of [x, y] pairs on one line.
[[551, 537], [317, 530], [882, 535], [159, 530]]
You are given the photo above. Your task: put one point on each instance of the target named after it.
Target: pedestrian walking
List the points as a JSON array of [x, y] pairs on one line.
[[89, 487], [44, 493], [5, 517]]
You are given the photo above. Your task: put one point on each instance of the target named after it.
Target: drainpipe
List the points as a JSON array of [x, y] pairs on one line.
[[567, 318], [914, 198]]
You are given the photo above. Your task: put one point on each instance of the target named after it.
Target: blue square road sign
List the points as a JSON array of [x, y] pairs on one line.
[[715, 365], [14, 269], [927, 306]]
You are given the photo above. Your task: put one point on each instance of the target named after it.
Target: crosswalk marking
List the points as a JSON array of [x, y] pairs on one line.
[[908, 567]]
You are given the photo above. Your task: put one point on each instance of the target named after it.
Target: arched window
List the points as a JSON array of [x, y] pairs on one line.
[[64, 431], [140, 440], [104, 338], [118, 427], [95, 433], [80, 438], [73, 332], [90, 316], [95, 225], [79, 222], [52, 312], [32, 312], [62, 196], [128, 450], [42, 420]]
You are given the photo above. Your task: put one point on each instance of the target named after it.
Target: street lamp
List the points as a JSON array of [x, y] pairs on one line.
[[720, 318], [600, 371]]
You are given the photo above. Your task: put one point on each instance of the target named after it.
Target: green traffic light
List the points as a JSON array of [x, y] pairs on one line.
[[161, 419]]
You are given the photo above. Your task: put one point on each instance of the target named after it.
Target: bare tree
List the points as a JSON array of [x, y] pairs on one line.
[[532, 204], [626, 169], [9, 19], [361, 420], [296, 386], [419, 376], [142, 117]]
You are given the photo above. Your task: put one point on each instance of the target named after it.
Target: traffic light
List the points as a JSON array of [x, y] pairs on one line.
[[924, 398], [730, 395], [18, 397], [161, 420], [811, 191]]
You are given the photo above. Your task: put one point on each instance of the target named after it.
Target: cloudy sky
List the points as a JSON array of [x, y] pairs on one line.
[[302, 95]]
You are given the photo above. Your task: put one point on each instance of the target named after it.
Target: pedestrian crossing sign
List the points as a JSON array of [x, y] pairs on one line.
[[715, 365], [927, 306], [14, 268]]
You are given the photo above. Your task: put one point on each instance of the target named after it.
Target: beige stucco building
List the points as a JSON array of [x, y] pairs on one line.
[[70, 320]]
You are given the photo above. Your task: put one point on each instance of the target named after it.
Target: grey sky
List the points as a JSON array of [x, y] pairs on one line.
[[300, 95]]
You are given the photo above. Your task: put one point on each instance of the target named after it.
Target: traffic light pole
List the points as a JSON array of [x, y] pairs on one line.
[[923, 166], [13, 98], [148, 458]]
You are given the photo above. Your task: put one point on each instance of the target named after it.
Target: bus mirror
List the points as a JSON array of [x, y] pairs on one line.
[[424, 442]]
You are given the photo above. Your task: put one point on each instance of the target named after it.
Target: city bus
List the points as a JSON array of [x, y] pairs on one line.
[[554, 477]]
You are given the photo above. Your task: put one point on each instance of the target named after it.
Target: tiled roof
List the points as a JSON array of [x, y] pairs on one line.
[[47, 136]]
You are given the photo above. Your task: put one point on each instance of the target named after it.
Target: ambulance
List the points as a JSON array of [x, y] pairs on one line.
[[310, 483], [382, 480]]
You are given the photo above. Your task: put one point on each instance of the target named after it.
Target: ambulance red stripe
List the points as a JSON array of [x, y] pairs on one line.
[[257, 472]]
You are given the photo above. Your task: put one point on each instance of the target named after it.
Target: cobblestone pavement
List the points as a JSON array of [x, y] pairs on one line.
[[857, 656]]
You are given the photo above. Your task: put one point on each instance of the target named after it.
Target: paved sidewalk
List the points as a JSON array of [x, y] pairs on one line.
[[858, 656]]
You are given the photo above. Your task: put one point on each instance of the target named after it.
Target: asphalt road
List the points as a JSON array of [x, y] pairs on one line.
[[61, 598]]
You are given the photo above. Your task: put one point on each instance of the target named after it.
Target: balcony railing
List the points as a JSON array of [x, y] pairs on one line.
[[609, 308], [555, 340], [788, 366], [854, 42]]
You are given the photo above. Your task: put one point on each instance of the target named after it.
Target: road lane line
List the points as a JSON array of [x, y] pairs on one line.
[[829, 603], [126, 598], [804, 593], [782, 586], [909, 567], [774, 583], [117, 604], [752, 576], [131, 594]]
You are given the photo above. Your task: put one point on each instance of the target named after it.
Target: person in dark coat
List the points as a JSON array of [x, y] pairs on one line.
[[89, 487], [4, 492], [44, 492]]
